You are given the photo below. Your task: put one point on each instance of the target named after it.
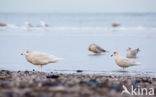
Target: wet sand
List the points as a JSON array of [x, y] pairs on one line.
[[41, 84]]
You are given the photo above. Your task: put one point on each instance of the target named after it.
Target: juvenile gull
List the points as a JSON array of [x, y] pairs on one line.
[[2, 24], [38, 58], [96, 49], [123, 62], [115, 25], [132, 53]]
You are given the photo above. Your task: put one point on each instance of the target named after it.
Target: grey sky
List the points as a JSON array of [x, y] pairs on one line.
[[77, 5]]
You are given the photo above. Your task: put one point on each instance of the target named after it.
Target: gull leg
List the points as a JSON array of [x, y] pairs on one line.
[[41, 68], [123, 69]]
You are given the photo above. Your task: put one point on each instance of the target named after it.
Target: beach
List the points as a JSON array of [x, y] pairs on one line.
[[41, 84], [77, 48], [81, 73]]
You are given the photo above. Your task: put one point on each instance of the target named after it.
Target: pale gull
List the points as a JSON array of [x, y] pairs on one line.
[[132, 53], [123, 62], [43, 24], [38, 58], [27, 24]]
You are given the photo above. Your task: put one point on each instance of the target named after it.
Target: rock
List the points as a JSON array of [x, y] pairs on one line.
[[26, 72], [9, 94], [83, 83], [22, 85], [58, 89], [79, 71], [53, 76], [29, 94], [18, 71], [2, 77], [50, 84], [37, 84], [44, 95], [146, 80], [137, 81]]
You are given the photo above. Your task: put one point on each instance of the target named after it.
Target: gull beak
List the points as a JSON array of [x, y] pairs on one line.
[[22, 54], [111, 55]]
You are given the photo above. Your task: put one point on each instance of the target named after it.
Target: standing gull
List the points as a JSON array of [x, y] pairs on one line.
[[43, 24], [123, 62], [27, 24], [132, 53], [96, 49], [38, 58]]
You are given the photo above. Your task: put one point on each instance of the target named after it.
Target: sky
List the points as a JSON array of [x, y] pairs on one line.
[[38, 6]]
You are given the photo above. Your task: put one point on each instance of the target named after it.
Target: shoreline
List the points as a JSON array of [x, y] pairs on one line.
[[41, 84]]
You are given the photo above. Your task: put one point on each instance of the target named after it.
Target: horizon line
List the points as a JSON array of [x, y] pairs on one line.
[[84, 12]]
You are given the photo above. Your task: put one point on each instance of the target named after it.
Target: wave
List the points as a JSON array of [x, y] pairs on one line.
[[12, 26]]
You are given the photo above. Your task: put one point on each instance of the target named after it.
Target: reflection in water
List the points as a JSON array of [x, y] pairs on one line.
[[121, 70], [97, 54], [110, 73]]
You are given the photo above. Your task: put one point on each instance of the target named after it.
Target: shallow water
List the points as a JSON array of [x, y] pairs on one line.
[[70, 40]]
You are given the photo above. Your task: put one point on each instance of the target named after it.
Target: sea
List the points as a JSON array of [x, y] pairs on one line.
[[68, 36]]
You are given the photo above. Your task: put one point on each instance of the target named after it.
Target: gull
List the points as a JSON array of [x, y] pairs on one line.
[[28, 25], [123, 62], [115, 25], [43, 24], [2, 24], [96, 49], [132, 53], [39, 58]]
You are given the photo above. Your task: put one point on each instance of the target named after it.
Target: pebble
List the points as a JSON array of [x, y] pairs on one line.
[[53, 76], [37, 84], [79, 71]]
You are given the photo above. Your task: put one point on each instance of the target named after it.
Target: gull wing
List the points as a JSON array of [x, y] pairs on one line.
[[99, 48], [128, 62], [41, 58]]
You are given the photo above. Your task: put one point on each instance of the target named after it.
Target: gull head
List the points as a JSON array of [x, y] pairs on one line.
[[129, 49], [27, 23], [42, 22], [89, 49], [91, 46], [27, 52], [115, 54]]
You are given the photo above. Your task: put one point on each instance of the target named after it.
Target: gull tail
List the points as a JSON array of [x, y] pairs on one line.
[[58, 59], [105, 51], [133, 63], [138, 49], [137, 63]]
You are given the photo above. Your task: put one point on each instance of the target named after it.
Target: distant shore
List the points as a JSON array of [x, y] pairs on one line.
[[41, 84]]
